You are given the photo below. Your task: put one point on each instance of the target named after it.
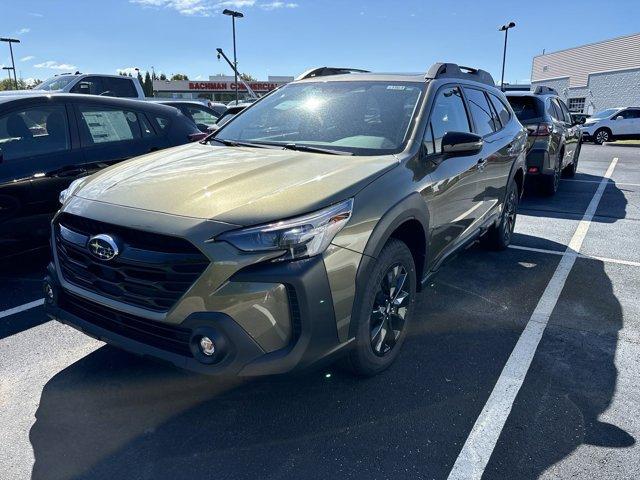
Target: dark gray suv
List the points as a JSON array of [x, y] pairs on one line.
[[554, 141]]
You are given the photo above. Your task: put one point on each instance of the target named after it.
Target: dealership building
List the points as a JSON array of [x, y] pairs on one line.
[[593, 77], [218, 88]]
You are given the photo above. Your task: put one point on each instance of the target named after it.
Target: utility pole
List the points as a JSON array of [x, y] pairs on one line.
[[11, 41]]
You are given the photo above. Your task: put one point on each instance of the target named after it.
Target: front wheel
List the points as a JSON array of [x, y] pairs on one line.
[[601, 136], [385, 311], [499, 236]]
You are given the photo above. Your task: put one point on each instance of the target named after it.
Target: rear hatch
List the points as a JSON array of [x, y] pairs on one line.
[[530, 111]]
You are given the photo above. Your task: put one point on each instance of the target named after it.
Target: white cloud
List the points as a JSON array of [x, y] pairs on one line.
[[27, 58], [22, 31], [276, 5], [128, 70], [55, 65], [192, 8], [207, 8], [37, 15]]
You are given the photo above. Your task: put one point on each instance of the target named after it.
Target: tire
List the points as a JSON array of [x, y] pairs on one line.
[[602, 135], [376, 345], [499, 236], [550, 183], [570, 170]]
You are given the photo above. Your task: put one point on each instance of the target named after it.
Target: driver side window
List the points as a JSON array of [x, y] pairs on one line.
[[447, 115]]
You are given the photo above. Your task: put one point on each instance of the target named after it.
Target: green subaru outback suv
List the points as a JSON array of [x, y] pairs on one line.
[[300, 231]]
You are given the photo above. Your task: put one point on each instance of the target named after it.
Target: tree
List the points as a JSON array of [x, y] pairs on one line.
[[140, 79], [7, 84], [147, 85], [179, 76], [163, 76], [248, 78]]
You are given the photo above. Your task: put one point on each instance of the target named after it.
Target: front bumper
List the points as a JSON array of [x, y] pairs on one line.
[[314, 334]]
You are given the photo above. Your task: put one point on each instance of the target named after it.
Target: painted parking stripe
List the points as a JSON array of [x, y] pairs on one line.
[[22, 308], [598, 181], [580, 255], [482, 439]]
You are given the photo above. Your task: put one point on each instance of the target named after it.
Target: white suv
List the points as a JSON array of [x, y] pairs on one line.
[[87, 83], [612, 124]]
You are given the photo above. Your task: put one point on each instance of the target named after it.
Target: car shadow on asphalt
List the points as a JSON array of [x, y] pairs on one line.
[[572, 200], [570, 385]]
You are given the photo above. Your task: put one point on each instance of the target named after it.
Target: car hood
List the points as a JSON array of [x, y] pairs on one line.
[[8, 93], [239, 185]]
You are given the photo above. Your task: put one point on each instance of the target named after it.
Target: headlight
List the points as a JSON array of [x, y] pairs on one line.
[[64, 195], [299, 237]]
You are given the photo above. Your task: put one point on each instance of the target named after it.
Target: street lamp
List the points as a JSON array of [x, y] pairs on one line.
[[505, 28], [234, 15], [8, 69], [13, 65]]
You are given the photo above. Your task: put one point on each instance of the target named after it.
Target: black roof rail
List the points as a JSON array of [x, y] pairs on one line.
[[324, 71], [452, 70], [544, 90]]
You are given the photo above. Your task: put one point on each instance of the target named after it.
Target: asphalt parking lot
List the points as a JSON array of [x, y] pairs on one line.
[[521, 364]]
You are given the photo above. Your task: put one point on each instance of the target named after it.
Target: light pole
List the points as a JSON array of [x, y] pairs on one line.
[[8, 69], [505, 28], [234, 15], [13, 64]]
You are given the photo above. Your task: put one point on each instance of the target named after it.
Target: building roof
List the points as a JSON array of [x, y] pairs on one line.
[[576, 64]]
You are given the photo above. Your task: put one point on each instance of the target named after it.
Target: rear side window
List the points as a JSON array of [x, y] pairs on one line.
[[448, 115], [554, 110], [145, 126], [119, 87], [480, 111], [163, 122], [100, 125], [501, 109], [34, 131], [526, 108], [199, 115]]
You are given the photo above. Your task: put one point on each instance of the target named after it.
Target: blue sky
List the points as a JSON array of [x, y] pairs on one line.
[[286, 37]]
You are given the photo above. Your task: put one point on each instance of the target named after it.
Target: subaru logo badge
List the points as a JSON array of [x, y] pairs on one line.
[[103, 247]]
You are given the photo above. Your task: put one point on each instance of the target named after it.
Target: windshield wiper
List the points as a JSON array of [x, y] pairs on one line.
[[307, 148], [235, 143]]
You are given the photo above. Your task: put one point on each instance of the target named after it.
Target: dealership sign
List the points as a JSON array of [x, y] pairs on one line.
[[212, 86]]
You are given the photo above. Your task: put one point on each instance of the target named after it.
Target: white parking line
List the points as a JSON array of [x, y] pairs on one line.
[[482, 439], [598, 181], [22, 308], [580, 255]]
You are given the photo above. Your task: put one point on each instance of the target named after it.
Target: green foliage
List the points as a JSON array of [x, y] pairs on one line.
[[147, 85], [248, 78], [179, 76]]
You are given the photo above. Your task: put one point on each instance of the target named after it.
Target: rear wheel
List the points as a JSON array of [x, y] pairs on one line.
[[570, 170], [385, 311], [550, 183], [601, 136], [499, 236]]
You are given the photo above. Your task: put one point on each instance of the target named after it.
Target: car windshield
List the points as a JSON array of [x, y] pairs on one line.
[[604, 114], [360, 117], [56, 83], [526, 108]]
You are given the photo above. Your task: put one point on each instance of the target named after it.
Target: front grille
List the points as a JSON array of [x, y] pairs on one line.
[[294, 310], [167, 337], [152, 271]]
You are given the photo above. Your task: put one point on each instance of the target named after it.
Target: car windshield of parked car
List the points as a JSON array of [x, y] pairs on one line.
[[56, 83], [526, 108], [604, 114], [360, 117]]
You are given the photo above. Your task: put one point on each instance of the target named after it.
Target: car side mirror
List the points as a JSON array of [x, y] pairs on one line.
[[459, 144], [619, 117]]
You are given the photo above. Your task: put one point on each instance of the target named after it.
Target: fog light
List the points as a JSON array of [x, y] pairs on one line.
[[207, 346], [533, 169]]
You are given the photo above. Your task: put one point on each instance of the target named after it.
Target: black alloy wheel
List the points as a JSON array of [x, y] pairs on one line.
[[387, 319]]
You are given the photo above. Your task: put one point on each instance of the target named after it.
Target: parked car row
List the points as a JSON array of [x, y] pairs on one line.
[[299, 231], [47, 141]]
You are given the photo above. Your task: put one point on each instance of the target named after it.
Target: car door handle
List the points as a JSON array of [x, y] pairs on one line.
[[72, 172]]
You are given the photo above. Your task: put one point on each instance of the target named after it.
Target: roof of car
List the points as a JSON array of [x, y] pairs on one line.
[[519, 93], [76, 97], [368, 76]]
